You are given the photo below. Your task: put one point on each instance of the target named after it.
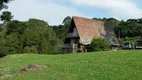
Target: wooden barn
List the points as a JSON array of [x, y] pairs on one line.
[[82, 31]]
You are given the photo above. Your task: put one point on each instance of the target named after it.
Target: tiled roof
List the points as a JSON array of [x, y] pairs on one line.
[[89, 29]]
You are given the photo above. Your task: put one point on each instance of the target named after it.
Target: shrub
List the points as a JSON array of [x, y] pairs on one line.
[[3, 51], [32, 49], [99, 45]]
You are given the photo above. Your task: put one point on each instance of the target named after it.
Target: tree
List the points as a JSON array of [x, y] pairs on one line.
[[16, 26], [129, 28], [60, 32], [33, 36], [43, 47], [3, 48], [3, 4], [67, 21], [12, 43], [30, 40], [6, 16], [39, 38]]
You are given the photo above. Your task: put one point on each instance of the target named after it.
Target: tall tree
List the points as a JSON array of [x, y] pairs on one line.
[[6, 16], [67, 20]]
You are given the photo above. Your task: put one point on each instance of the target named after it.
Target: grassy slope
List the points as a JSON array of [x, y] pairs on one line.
[[120, 65]]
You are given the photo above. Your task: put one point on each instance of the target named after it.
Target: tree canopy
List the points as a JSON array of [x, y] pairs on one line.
[[128, 28], [6, 16], [3, 4], [67, 20], [32, 36]]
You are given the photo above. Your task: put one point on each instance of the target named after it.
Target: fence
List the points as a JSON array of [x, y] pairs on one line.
[[68, 48]]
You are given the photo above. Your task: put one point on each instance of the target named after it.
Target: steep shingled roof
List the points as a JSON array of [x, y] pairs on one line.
[[89, 29]]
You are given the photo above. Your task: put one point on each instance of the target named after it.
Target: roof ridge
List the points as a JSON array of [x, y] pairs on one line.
[[73, 17], [81, 17]]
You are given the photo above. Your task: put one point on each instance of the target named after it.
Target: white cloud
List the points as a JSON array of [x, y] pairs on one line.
[[120, 8], [52, 13]]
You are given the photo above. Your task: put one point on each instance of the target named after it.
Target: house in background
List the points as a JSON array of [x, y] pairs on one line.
[[82, 31]]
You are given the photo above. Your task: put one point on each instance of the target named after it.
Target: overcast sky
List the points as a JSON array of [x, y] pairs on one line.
[[54, 11]]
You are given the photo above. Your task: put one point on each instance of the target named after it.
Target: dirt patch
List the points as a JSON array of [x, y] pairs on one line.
[[2, 61], [1, 67], [5, 76], [32, 67]]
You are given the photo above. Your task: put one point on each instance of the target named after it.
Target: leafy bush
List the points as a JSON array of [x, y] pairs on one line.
[[32, 49], [3, 51], [99, 45]]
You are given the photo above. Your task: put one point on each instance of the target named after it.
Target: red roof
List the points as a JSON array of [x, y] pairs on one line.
[[88, 29]]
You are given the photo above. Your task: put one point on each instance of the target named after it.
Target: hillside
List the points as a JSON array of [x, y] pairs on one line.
[[119, 65]]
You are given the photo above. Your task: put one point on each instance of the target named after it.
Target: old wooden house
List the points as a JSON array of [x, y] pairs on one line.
[[82, 31]]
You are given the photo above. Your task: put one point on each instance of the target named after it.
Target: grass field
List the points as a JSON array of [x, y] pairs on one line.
[[117, 65]]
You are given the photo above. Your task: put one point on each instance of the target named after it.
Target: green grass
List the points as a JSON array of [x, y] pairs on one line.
[[113, 65]]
